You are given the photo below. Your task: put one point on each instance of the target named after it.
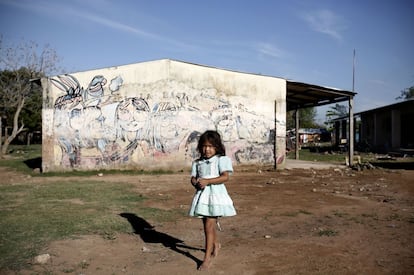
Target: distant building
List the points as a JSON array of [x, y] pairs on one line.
[[382, 130], [388, 128], [307, 137]]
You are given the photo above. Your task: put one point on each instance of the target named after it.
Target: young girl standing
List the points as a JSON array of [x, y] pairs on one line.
[[211, 200]]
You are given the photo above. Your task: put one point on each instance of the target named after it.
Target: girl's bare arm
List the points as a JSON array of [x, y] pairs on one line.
[[220, 179]]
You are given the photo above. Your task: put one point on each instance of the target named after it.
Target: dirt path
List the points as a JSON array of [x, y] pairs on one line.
[[299, 221]]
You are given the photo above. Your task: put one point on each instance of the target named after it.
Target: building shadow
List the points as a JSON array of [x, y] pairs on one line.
[[35, 163], [394, 165], [149, 235]]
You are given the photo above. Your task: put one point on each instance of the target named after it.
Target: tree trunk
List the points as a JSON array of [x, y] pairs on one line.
[[16, 128]]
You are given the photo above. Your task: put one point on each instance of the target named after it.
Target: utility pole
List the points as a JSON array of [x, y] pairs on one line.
[[351, 118]]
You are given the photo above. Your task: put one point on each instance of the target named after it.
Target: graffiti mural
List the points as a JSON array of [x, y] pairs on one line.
[[106, 124]]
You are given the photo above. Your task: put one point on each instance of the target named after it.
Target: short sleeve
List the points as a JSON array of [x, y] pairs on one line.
[[194, 169], [225, 165]]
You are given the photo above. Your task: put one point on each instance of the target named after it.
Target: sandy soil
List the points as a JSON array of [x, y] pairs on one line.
[[296, 221]]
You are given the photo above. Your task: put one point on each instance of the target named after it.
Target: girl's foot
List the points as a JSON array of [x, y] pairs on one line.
[[205, 265], [216, 249]]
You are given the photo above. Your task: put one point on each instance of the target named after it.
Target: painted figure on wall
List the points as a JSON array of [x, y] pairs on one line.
[[103, 124]]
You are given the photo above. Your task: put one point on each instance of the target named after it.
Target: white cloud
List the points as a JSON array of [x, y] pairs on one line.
[[326, 22], [69, 10], [270, 50]]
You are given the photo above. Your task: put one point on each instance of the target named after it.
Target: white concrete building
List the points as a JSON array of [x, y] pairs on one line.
[[148, 116]]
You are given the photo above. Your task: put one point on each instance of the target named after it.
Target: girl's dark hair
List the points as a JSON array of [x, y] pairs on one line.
[[215, 139]]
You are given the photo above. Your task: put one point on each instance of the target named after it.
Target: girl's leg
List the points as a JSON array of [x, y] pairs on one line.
[[217, 245], [210, 238]]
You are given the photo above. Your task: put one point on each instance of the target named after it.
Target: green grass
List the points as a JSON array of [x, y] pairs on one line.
[[295, 213], [20, 157], [306, 154], [327, 233], [339, 158], [32, 215], [24, 158]]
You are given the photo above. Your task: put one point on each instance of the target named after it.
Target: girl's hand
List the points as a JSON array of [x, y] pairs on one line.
[[195, 183], [202, 183]]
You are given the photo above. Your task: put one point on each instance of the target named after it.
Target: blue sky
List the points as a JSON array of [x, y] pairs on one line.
[[302, 40]]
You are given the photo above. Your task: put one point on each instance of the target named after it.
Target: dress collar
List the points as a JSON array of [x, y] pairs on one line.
[[208, 160]]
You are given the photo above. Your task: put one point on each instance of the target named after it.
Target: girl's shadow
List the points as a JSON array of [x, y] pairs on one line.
[[149, 235]]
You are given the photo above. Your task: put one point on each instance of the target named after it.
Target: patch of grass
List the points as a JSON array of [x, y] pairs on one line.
[[327, 232], [290, 214], [24, 159], [33, 215], [305, 212], [374, 216], [105, 172], [309, 154], [340, 214], [394, 217], [25, 151], [295, 213], [306, 154], [356, 220]]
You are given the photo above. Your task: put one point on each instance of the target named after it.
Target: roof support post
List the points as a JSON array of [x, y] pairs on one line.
[[297, 134], [351, 132], [275, 141]]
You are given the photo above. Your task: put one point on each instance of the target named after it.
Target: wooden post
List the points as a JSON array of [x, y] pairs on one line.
[[297, 134], [1, 134], [351, 132], [275, 141]]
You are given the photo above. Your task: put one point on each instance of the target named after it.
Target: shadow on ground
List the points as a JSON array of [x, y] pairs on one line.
[[34, 163], [394, 165], [149, 235]]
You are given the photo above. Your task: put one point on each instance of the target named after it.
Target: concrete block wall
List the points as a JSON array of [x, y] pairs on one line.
[[149, 115]]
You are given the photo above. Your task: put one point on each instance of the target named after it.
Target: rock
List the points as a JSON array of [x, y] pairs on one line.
[[42, 259], [272, 181]]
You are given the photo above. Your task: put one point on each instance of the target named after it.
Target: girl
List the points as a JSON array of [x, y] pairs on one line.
[[211, 199]]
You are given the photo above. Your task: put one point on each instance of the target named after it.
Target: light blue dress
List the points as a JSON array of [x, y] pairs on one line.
[[213, 200]]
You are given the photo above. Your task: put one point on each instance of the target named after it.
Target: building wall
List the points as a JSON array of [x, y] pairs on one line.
[[149, 115], [389, 128]]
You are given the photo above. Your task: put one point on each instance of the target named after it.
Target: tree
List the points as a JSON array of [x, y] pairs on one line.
[[406, 94], [334, 112], [20, 65], [306, 118]]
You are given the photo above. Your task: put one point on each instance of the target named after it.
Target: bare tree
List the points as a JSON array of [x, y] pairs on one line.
[[20, 65]]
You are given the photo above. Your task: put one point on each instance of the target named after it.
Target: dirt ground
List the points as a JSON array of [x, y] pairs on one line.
[[295, 221]]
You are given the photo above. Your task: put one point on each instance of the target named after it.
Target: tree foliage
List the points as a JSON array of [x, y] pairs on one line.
[[306, 118], [335, 112], [20, 96], [407, 93]]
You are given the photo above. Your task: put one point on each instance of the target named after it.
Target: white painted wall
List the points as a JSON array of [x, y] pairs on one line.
[[149, 115]]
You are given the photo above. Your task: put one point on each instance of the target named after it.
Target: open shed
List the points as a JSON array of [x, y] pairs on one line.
[[302, 95]]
